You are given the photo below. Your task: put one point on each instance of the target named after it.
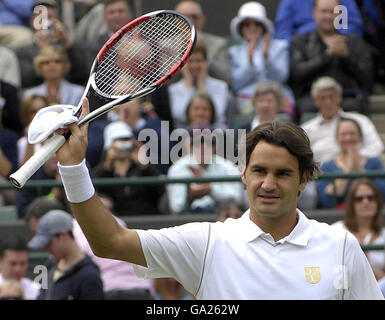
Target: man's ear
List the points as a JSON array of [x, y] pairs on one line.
[[243, 177], [304, 181]]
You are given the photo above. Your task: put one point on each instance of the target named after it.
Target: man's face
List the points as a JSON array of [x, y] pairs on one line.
[[266, 106], [324, 15], [272, 181], [14, 264], [56, 246], [191, 11], [328, 101], [116, 15]]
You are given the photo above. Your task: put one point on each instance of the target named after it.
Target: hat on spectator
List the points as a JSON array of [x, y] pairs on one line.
[[251, 10], [116, 130], [52, 223]]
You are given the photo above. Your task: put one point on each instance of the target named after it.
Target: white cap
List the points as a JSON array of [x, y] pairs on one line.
[[251, 10], [116, 130]]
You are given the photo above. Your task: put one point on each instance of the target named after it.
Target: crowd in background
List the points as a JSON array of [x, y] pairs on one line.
[[308, 66]]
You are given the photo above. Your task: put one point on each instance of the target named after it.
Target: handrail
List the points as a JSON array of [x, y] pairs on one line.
[[165, 180]]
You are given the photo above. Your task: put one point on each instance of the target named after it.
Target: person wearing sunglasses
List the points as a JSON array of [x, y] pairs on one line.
[[364, 219], [349, 138]]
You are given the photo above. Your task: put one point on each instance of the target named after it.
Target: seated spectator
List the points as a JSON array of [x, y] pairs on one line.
[[327, 95], [14, 15], [11, 290], [52, 64], [74, 276], [200, 110], [29, 107], [14, 265], [258, 57], [349, 138], [51, 33], [123, 158], [218, 64], [363, 218], [295, 17], [202, 161], [195, 78], [119, 280], [268, 104], [140, 115], [117, 13], [326, 52]]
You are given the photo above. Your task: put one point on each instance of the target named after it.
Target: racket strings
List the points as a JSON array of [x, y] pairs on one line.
[[143, 55]]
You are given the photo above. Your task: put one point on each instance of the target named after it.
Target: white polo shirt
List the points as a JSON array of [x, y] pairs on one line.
[[237, 260]]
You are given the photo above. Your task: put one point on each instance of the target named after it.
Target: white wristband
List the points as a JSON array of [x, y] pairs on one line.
[[77, 182]]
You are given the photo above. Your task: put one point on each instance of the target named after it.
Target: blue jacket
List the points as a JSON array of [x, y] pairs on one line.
[[81, 282], [16, 12], [295, 17]]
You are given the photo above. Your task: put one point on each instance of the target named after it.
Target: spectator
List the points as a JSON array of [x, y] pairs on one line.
[[29, 107], [268, 103], [195, 78], [200, 110], [73, 275], [11, 290], [349, 138], [295, 17], [140, 115], [117, 13], [52, 64], [218, 64], [14, 14], [327, 95], [325, 52], [202, 161], [43, 36], [119, 281], [363, 218], [14, 265], [124, 157], [258, 57]]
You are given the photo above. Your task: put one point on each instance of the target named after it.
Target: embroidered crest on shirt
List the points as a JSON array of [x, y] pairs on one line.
[[312, 274]]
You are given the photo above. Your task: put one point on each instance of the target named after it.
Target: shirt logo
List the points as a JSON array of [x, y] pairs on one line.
[[312, 274]]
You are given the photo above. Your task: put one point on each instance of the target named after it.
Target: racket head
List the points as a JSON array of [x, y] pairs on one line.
[[143, 55]]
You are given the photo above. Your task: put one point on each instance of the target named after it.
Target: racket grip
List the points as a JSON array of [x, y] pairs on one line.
[[21, 176]]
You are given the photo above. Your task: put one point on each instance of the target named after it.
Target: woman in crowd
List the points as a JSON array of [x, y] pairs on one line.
[[349, 138], [52, 64], [363, 218]]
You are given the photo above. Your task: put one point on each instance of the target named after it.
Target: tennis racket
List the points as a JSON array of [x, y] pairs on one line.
[[138, 59]]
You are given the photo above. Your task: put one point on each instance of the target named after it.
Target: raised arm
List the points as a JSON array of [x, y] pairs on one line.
[[106, 237]]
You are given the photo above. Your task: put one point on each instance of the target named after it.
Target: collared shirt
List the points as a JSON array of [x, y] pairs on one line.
[[238, 260], [322, 135]]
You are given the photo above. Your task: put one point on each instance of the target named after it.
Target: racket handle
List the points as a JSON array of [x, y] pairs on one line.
[[21, 176]]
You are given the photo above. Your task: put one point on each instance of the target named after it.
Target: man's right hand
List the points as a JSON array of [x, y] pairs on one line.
[[74, 150]]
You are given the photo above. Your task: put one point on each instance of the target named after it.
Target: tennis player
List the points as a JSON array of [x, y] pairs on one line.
[[272, 252]]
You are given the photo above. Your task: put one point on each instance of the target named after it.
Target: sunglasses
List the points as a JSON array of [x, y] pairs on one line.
[[370, 197]]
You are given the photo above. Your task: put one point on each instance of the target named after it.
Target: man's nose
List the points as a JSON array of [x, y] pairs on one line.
[[269, 182]]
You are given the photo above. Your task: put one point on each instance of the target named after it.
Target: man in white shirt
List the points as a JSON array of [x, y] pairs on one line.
[[272, 252], [14, 265], [327, 95], [202, 197]]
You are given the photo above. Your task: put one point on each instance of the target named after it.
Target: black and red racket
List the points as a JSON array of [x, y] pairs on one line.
[[138, 59]]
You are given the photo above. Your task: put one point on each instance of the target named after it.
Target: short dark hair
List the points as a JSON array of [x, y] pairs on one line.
[[12, 242], [109, 2], [40, 206], [287, 135]]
